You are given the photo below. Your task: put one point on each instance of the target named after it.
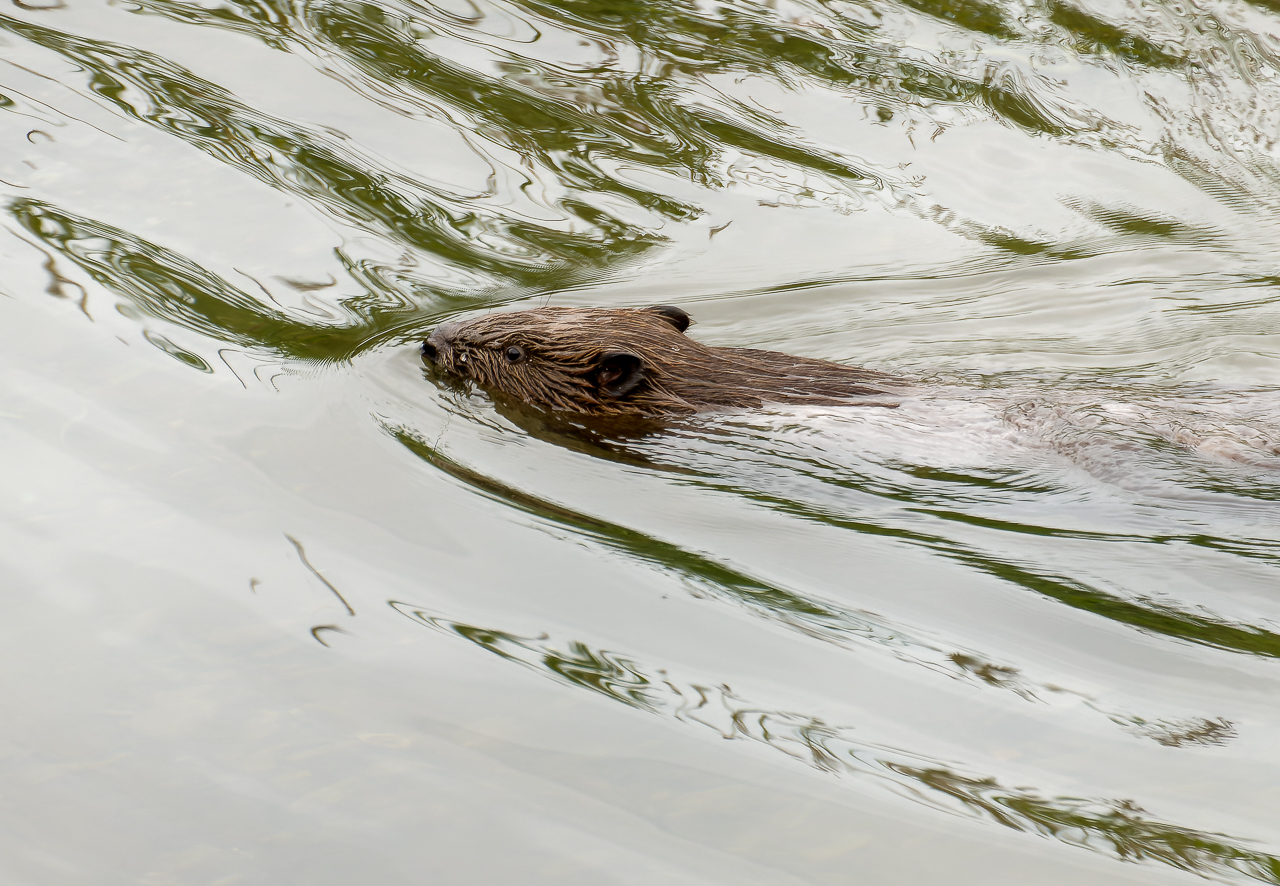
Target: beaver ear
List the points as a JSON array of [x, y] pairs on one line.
[[676, 317], [618, 373]]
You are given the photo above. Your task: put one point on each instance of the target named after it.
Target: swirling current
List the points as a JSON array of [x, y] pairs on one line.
[[283, 605]]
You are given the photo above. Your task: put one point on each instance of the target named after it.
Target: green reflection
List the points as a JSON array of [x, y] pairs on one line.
[[1128, 221], [831, 623], [182, 355], [1141, 613], [694, 38], [1093, 34], [741, 452], [572, 121], [808, 615], [1118, 828], [566, 120], [565, 137], [971, 15], [598, 670], [316, 168], [1144, 614], [1129, 228], [160, 283]]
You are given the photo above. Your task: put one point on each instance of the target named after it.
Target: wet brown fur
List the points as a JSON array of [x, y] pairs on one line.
[[637, 362]]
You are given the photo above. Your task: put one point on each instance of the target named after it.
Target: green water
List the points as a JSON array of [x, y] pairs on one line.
[[283, 607]]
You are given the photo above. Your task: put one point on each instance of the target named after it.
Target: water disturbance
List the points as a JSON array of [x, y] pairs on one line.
[[285, 605]]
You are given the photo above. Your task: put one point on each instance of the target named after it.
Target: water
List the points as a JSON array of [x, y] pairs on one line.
[[283, 608]]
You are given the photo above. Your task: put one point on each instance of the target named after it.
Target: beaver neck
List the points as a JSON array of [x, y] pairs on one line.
[[705, 377]]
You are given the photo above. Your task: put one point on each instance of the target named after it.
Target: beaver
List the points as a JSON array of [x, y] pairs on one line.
[[637, 362]]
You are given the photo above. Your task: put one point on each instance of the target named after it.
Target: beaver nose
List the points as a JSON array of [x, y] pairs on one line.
[[439, 340]]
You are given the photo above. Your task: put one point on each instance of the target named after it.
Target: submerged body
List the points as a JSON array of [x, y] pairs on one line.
[[638, 362]]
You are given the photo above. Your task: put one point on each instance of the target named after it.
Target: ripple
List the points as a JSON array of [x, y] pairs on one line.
[[1119, 828]]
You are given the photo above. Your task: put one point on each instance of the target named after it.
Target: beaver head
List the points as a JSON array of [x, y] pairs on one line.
[[636, 362]]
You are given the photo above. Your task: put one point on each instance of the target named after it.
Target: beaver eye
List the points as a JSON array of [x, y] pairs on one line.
[[515, 353]]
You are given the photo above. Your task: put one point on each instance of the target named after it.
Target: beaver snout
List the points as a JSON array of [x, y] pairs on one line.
[[439, 342]]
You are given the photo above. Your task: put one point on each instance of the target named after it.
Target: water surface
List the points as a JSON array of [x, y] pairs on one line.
[[284, 608]]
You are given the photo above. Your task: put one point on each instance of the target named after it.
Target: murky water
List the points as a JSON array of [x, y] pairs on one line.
[[283, 608]]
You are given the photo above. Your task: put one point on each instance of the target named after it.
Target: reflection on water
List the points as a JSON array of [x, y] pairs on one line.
[[842, 626], [798, 469], [325, 174], [807, 469], [1118, 827], [1059, 216]]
